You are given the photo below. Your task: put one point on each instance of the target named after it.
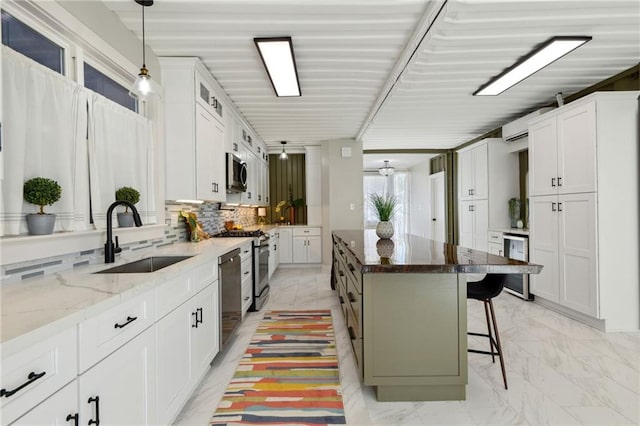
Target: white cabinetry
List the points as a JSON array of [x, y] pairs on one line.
[[246, 271], [205, 336], [121, 388], [583, 165], [307, 245], [274, 253], [59, 409], [286, 250], [488, 176], [194, 133]]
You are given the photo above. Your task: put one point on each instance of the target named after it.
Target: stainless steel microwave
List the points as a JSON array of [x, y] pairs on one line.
[[236, 174]]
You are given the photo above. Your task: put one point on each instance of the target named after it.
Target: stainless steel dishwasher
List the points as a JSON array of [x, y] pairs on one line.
[[230, 278]]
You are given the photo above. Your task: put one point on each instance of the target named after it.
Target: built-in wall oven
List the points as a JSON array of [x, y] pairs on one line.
[[516, 246]]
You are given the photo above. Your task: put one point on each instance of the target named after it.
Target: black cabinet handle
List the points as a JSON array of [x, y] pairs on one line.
[[32, 377], [126, 323], [97, 420], [195, 316], [553, 207], [351, 297], [74, 418], [341, 300], [352, 334], [351, 268], [246, 272], [559, 181], [199, 311], [559, 207], [553, 181], [341, 273]]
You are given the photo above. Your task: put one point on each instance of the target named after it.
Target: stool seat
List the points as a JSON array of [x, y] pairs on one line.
[[485, 290]]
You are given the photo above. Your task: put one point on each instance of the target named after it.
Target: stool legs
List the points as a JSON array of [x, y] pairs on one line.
[[496, 347]]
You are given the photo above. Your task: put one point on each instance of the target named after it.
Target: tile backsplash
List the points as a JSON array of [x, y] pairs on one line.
[[211, 215]]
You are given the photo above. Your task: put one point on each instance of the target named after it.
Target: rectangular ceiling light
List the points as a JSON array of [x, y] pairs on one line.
[[540, 57], [278, 59]]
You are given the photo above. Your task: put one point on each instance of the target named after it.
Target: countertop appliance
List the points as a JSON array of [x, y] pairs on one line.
[[229, 274], [260, 263], [516, 246], [236, 174]]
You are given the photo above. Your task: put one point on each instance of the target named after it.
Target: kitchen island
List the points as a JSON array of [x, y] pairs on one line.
[[405, 306]]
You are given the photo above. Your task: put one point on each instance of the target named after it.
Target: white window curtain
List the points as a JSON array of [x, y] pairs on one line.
[[120, 154], [44, 128], [397, 184]]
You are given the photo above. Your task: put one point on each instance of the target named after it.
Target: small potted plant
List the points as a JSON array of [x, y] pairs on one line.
[[126, 193], [514, 211], [41, 192], [385, 207]]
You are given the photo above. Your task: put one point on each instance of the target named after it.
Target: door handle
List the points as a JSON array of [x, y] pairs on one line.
[[195, 322], [97, 420], [559, 181], [553, 207], [553, 181], [74, 418], [559, 207]]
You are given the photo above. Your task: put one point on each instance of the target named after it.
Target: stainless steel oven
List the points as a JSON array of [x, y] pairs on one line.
[[260, 272], [517, 247]]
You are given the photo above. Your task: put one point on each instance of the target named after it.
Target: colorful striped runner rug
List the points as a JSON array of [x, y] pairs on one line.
[[288, 375]]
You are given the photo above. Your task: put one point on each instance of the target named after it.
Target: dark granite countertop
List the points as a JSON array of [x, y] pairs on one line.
[[413, 254]]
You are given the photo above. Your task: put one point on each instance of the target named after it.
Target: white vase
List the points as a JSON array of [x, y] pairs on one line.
[[384, 229]]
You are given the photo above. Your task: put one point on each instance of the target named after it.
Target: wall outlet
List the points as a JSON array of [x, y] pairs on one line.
[[352, 206]]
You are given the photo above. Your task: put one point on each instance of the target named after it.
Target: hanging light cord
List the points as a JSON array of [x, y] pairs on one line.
[[144, 59]]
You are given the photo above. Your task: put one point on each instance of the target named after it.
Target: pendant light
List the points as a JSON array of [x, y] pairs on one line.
[[142, 86], [387, 170], [283, 155]]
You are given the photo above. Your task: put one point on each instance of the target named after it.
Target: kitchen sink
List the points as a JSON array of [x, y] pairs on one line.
[[149, 264]]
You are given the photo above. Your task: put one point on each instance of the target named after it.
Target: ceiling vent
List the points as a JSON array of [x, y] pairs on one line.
[[519, 129]]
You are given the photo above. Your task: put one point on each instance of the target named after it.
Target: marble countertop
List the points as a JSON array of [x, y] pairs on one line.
[[38, 307], [413, 254]]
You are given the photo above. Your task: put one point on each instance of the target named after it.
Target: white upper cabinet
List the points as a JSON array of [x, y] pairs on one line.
[[194, 132], [474, 173], [563, 151]]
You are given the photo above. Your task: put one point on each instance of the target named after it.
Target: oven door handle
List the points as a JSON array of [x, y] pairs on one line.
[[514, 238]]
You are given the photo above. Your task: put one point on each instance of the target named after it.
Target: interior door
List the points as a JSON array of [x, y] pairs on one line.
[[438, 207]]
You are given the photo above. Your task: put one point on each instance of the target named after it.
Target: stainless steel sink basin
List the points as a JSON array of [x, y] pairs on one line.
[[149, 264]]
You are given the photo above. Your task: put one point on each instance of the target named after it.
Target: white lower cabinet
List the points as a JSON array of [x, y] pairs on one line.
[[565, 243], [474, 224], [286, 250], [59, 409], [307, 245], [121, 389], [187, 341]]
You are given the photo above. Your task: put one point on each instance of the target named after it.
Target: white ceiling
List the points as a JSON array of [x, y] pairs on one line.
[[399, 161], [396, 73]]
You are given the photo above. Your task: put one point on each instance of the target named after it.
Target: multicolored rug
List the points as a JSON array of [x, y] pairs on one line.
[[288, 375]]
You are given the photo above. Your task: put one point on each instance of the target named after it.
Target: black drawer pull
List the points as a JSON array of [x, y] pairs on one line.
[[246, 272], [32, 377], [341, 273], [351, 297], [74, 418], [351, 268], [341, 300], [124, 324], [199, 311], [97, 420], [195, 322], [352, 334]]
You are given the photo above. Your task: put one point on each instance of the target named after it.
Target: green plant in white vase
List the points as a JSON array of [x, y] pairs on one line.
[[385, 207]]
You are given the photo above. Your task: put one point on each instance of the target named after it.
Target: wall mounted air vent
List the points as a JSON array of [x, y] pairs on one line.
[[519, 129]]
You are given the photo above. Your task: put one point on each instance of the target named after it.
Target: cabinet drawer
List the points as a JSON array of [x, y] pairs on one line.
[[247, 294], [203, 275], [245, 252], [303, 232], [355, 305], [33, 374], [103, 334], [495, 237], [245, 269], [354, 272]]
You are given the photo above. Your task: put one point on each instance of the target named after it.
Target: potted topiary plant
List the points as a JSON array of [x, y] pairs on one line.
[[126, 193], [385, 207], [41, 192]]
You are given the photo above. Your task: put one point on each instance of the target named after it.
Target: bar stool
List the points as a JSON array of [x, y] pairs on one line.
[[485, 290]]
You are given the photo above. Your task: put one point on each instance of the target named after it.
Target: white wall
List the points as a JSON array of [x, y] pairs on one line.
[[420, 200], [341, 188]]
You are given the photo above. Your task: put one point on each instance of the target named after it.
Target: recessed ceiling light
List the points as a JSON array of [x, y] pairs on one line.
[[278, 59], [540, 57]]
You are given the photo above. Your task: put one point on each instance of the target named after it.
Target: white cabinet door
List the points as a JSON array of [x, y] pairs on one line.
[[543, 164], [286, 254], [314, 249], [299, 249], [465, 165], [218, 165], [577, 248], [206, 336], [543, 246], [480, 224], [61, 409], [204, 153], [577, 150], [122, 386], [466, 224], [480, 189], [173, 337]]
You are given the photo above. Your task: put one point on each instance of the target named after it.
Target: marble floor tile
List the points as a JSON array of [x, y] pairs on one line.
[[560, 372]]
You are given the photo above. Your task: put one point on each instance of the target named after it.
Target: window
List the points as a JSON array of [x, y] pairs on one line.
[[396, 184], [107, 87], [31, 43]]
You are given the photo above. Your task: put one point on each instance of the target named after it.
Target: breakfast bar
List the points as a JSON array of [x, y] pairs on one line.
[[404, 303]]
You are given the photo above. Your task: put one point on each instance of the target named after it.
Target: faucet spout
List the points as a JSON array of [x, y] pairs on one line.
[[110, 249]]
